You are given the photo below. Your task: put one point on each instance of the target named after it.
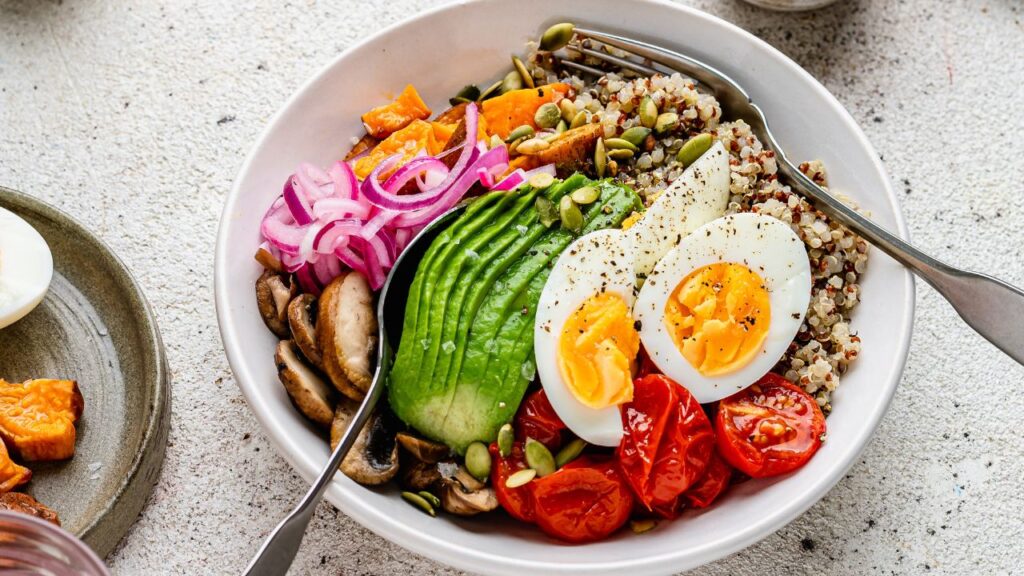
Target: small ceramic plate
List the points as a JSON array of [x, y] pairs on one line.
[[94, 326]]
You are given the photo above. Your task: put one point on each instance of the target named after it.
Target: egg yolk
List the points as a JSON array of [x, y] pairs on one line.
[[596, 351], [718, 317]]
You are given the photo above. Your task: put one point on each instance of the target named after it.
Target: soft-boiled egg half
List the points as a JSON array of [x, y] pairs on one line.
[[698, 196], [720, 309], [26, 268], [585, 340]]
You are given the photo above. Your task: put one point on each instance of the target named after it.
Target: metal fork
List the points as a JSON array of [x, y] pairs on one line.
[[990, 306]]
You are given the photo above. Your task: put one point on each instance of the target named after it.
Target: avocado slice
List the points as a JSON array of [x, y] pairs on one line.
[[465, 358]]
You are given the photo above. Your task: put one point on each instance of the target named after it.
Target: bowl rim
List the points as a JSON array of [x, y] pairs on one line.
[[453, 554]]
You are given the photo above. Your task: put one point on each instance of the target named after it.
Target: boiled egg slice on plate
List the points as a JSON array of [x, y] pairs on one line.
[[585, 340], [26, 268], [698, 196], [720, 309]]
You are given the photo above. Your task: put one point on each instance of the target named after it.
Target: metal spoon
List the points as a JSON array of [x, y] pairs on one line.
[[279, 549]]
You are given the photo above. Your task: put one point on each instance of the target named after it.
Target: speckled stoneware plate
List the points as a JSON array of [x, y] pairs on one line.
[[94, 326]]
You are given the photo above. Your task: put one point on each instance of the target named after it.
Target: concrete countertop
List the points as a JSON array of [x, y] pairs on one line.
[[135, 116]]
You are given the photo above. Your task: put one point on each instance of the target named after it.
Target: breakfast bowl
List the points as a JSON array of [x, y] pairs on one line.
[[439, 52]]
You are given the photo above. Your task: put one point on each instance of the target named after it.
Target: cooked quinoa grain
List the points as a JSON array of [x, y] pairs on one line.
[[825, 346]]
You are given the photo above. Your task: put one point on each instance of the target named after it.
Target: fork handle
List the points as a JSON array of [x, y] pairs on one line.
[[993, 308]]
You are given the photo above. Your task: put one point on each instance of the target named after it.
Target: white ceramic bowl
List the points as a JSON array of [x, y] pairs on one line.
[[470, 42]]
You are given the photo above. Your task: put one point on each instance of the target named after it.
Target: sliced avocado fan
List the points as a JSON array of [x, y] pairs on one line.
[[465, 358]]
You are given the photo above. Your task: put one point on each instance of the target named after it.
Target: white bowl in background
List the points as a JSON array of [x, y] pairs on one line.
[[444, 49]]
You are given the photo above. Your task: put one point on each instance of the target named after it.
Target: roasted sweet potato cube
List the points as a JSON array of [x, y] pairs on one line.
[[37, 418], [572, 151], [25, 504], [12, 475]]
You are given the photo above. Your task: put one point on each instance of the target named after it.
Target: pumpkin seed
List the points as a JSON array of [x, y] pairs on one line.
[[619, 144], [524, 74], [585, 195], [524, 131], [512, 147], [532, 146], [495, 141], [636, 135], [512, 81], [578, 120], [613, 168], [419, 502], [600, 158], [542, 180], [642, 525], [694, 148], [468, 93], [505, 435], [567, 108], [548, 115], [665, 122], [570, 215], [521, 478], [620, 154], [538, 456], [557, 36], [478, 461], [492, 91], [561, 127], [547, 213], [569, 452], [648, 112], [550, 137], [434, 500]]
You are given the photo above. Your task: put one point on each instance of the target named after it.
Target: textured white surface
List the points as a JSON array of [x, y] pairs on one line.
[[135, 116]]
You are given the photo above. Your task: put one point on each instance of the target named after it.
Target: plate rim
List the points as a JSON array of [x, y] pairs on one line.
[[460, 557], [110, 526]]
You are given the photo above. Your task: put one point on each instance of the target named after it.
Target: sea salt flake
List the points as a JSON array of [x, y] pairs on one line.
[[448, 347]]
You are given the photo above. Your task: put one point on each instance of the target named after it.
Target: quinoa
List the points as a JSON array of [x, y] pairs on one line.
[[825, 346]]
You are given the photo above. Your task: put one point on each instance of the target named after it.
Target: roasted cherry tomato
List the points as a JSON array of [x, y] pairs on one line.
[[711, 485], [586, 500], [770, 428], [515, 501], [537, 419], [666, 444]]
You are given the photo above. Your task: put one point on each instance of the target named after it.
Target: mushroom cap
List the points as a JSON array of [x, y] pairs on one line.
[[373, 458], [273, 293], [347, 334], [422, 449], [307, 390], [301, 318], [456, 499]]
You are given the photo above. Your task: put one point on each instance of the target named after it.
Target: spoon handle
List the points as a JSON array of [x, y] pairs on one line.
[[279, 549], [993, 308]]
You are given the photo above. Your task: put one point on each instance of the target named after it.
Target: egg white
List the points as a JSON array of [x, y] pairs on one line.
[[699, 195], [599, 261], [764, 244], [26, 268]]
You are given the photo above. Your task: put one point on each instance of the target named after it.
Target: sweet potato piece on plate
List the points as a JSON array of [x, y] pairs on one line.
[[37, 418], [25, 504], [12, 474], [365, 144], [385, 120]]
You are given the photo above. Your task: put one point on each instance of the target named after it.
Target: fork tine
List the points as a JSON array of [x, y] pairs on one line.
[[620, 62], [580, 67], [706, 75]]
